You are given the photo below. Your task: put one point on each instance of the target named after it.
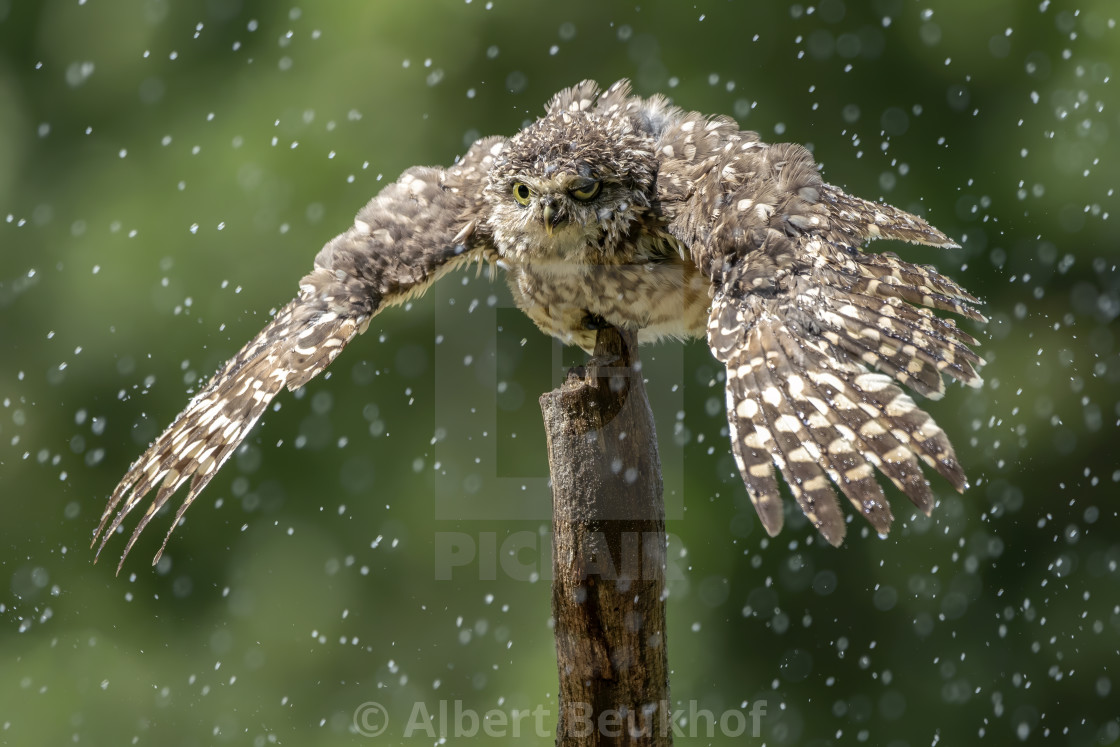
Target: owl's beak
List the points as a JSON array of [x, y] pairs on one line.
[[551, 216]]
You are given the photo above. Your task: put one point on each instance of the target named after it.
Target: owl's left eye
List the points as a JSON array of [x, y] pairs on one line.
[[586, 191], [521, 192]]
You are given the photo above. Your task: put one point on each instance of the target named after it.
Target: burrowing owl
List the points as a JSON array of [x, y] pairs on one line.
[[629, 211]]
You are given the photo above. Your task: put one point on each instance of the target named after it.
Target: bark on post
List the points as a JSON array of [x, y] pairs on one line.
[[608, 552]]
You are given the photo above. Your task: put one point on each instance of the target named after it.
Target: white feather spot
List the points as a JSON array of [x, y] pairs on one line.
[[763, 435], [831, 380], [897, 455], [747, 409], [873, 382], [872, 428], [190, 451], [761, 470], [900, 405], [787, 424], [219, 422], [862, 472], [816, 484]]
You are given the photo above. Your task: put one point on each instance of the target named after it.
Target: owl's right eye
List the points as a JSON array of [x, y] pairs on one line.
[[521, 192]]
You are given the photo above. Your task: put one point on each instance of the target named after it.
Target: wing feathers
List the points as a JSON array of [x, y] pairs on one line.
[[415, 230], [792, 407], [804, 459], [864, 220], [798, 352], [839, 446], [843, 393], [749, 446], [879, 282], [801, 316], [215, 422], [907, 352]]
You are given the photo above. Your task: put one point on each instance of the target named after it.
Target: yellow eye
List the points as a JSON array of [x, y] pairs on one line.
[[586, 191], [521, 192]]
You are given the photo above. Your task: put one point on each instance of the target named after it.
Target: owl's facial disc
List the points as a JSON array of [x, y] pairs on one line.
[[553, 200]]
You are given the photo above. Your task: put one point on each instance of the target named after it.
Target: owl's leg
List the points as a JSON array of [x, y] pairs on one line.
[[593, 322]]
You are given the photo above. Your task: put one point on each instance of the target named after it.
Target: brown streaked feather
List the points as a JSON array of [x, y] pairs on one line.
[[803, 463], [914, 428], [879, 279], [865, 220], [899, 359], [845, 466], [910, 354], [416, 229], [841, 401], [207, 432], [751, 447], [945, 334]]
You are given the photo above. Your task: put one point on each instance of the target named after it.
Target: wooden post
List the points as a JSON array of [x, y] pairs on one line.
[[608, 552]]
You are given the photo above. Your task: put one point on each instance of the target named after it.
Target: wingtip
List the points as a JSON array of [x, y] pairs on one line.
[[833, 538], [773, 527], [100, 539]]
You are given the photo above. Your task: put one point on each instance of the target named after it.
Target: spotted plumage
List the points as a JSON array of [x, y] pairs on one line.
[[629, 211]]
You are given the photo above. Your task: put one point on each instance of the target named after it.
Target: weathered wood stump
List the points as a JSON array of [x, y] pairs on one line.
[[608, 552]]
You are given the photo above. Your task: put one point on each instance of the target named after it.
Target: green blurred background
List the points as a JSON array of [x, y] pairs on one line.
[[167, 172]]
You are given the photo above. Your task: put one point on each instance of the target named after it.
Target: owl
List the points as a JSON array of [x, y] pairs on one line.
[[612, 209]]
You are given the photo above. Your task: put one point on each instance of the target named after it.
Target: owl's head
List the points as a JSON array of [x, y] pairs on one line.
[[572, 185]]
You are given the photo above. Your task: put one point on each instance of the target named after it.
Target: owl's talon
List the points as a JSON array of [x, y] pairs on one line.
[[594, 322]]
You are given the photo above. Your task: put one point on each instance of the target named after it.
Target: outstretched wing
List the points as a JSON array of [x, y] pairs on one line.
[[816, 334], [415, 230]]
